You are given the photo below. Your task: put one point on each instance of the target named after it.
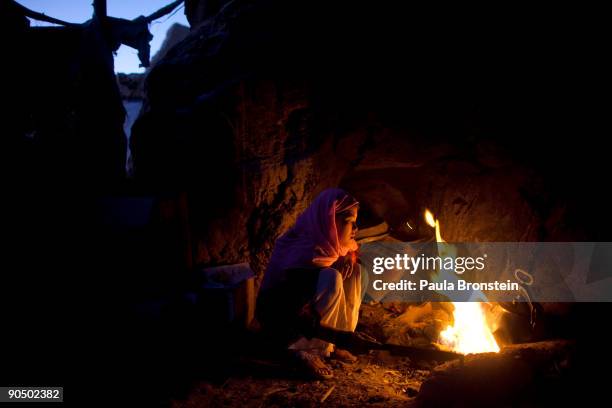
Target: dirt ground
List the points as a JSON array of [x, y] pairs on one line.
[[376, 379], [529, 372]]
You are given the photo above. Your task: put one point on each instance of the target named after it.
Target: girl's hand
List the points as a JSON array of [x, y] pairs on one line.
[[345, 265], [346, 270]]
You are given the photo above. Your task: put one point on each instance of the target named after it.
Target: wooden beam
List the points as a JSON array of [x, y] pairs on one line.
[[41, 16], [164, 10], [99, 7]]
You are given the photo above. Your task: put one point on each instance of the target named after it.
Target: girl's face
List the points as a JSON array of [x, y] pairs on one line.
[[346, 225]]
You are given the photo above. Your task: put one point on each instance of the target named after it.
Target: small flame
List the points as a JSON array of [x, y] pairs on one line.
[[434, 224], [470, 333], [430, 218]]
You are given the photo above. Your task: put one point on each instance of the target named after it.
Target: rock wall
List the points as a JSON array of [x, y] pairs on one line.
[[175, 34], [264, 105]]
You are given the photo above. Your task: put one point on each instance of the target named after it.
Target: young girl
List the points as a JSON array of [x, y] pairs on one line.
[[313, 267]]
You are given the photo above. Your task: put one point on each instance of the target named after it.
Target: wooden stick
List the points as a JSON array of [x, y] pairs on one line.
[[324, 397]]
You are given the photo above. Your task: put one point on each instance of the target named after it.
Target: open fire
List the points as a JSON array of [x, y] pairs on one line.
[[470, 332]]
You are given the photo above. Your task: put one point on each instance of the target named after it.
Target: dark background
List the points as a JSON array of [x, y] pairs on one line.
[[532, 79]]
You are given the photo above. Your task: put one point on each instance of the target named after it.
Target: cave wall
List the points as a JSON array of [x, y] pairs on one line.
[[264, 105]]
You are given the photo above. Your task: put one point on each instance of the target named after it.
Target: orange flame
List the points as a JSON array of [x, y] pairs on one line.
[[470, 332]]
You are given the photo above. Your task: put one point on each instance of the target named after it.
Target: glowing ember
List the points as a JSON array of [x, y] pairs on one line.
[[470, 333]]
